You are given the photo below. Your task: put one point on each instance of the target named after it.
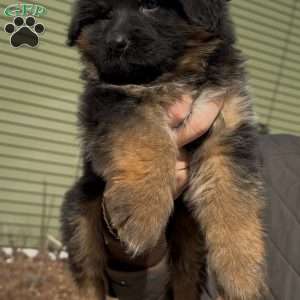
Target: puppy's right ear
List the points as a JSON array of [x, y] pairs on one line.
[[83, 14], [74, 27], [206, 13]]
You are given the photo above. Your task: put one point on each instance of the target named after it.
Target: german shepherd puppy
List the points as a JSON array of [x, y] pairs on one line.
[[141, 56]]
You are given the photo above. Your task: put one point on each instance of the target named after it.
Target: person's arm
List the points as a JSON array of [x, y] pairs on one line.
[[134, 278]]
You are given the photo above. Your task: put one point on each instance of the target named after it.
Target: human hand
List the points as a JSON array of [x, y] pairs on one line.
[[189, 123]]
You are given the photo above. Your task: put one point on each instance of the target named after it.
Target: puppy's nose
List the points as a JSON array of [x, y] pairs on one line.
[[118, 41]]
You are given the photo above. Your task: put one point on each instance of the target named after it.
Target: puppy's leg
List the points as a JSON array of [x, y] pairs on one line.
[[186, 255], [81, 231], [138, 163], [225, 195]]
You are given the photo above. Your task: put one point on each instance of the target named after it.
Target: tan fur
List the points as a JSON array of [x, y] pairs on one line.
[[137, 170], [82, 42], [236, 110], [90, 251], [196, 54], [83, 45], [230, 216], [187, 256]]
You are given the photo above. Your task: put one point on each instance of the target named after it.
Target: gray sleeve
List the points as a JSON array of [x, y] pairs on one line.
[[281, 173]]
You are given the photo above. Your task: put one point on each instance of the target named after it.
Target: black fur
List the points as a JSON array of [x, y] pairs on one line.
[[155, 38]]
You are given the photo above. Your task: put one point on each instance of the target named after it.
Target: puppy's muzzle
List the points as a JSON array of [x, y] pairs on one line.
[[118, 42]]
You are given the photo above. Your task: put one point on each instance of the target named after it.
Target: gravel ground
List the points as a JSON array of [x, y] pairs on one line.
[[38, 278]]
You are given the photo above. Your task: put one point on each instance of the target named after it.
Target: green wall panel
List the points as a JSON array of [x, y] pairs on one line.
[[39, 147]]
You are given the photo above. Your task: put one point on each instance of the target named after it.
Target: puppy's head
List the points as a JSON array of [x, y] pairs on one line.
[[135, 41]]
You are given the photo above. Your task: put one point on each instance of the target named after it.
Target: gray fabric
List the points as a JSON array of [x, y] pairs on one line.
[[281, 172], [280, 159], [143, 285]]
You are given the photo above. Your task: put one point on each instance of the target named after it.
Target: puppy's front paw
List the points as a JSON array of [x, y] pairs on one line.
[[239, 266], [138, 214]]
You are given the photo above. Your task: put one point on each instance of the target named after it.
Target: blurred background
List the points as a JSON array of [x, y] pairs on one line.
[[39, 89]]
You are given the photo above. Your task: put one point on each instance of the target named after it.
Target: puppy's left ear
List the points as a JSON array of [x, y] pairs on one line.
[[81, 13], [206, 13], [74, 27], [73, 34]]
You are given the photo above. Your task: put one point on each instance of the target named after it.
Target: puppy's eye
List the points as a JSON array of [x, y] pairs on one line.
[[150, 5]]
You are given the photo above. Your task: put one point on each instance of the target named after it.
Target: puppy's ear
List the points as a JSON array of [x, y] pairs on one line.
[[75, 26], [73, 33], [205, 13], [82, 14], [85, 12]]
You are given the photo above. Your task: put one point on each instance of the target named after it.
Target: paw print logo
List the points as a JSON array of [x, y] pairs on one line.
[[24, 32]]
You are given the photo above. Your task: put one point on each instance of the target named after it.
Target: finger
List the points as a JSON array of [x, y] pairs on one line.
[[198, 123], [182, 165], [183, 160], [179, 111], [181, 182]]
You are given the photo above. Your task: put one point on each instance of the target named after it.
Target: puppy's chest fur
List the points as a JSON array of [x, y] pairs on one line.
[[111, 104]]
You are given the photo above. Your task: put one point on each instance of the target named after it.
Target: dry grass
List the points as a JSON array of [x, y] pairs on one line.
[[38, 278]]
